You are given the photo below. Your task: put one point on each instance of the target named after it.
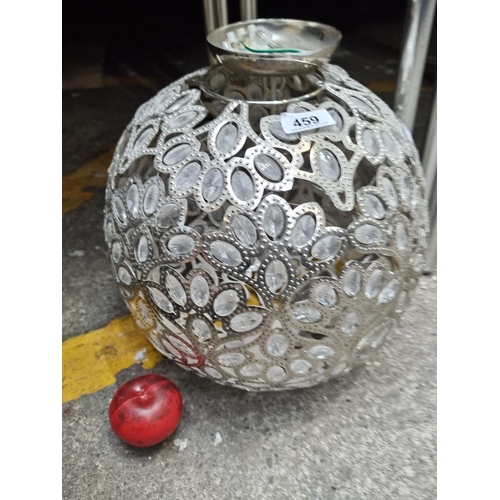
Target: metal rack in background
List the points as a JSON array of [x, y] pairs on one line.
[[420, 18], [418, 29]]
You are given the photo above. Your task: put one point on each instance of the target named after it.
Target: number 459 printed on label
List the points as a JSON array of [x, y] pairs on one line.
[[308, 120]]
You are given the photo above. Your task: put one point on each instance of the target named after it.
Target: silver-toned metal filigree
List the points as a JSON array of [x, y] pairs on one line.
[[261, 259]]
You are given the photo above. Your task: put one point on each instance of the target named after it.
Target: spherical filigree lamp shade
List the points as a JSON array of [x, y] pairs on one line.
[[263, 259]]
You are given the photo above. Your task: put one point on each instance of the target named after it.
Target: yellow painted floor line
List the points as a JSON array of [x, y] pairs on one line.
[[94, 173], [389, 86], [92, 360]]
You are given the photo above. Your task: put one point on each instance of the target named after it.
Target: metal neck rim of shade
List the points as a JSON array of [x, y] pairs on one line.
[[319, 82]]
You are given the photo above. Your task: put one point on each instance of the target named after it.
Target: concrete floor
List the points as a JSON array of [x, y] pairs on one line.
[[372, 434]]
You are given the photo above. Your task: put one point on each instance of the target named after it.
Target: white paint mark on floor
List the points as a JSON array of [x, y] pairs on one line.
[[76, 253]]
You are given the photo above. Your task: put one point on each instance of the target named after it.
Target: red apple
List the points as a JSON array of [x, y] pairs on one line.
[[145, 410]]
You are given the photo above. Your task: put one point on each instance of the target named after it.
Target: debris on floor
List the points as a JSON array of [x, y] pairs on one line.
[[181, 444], [218, 439], [141, 355]]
